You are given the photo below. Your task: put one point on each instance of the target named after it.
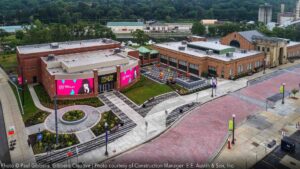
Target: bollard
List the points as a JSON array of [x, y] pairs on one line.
[[228, 144]]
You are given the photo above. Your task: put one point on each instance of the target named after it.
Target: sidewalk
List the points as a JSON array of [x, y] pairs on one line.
[[253, 136], [36, 100], [12, 116]]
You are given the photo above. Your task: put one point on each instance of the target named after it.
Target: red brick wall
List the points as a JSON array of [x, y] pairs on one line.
[[30, 63], [293, 51], [244, 43], [204, 62]]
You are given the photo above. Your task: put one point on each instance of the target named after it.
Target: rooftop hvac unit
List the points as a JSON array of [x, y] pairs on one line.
[[184, 42], [209, 52], [54, 45], [243, 51], [117, 50], [50, 57], [229, 54], [181, 48]]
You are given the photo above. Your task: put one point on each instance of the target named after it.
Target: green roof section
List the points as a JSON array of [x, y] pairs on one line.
[[153, 52], [125, 24], [143, 50]]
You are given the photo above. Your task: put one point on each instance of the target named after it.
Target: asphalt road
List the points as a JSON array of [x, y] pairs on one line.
[[4, 153]]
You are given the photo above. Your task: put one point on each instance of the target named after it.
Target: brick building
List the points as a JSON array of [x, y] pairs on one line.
[[277, 50], [215, 59], [78, 69]]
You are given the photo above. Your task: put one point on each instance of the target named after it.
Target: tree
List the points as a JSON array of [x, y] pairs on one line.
[[140, 36], [212, 30], [294, 92], [198, 28], [19, 34], [3, 33]]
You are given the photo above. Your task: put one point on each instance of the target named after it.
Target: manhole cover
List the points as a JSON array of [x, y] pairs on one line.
[[255, 144]]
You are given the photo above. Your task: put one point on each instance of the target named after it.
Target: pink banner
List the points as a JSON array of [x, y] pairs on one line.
[[74, 87], [128, 76]]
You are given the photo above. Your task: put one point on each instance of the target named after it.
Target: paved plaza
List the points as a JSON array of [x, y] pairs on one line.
[[93, 116], [207, 125]]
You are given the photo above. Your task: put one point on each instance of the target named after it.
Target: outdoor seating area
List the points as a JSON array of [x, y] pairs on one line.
[[164, 74]]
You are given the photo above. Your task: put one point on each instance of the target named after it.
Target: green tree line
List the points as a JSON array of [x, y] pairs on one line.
[[72, 11]]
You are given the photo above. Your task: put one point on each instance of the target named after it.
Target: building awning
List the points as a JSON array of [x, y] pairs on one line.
[[143, 50]]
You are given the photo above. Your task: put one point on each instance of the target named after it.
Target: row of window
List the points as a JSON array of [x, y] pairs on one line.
[[249, 67], [181, 62], [297, 53], [263, 49]]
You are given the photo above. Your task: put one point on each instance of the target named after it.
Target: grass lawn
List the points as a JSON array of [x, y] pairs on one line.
[[145, 89], [111, 119], [32, 115], [47, 102], [9, 62]]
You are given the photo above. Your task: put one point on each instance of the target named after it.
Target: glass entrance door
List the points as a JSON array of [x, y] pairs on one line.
[[106, 87]]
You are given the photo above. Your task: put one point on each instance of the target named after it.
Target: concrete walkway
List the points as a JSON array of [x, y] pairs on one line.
[[12, 116], [85, 136], [35, 128], [36, 100], [252, 138]]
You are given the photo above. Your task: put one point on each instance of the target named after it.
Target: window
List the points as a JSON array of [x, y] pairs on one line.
[[230, 72], [193, 66], [263, 49], [258, 48], [240, 69], [268, 49]]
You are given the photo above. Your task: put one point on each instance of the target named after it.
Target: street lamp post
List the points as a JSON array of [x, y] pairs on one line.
[[283, 86], [56, 125], [106, 138], [233, 128], [212, 87], [264, 66]]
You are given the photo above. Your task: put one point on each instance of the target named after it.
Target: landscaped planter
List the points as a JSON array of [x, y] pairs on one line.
[[73, 117]]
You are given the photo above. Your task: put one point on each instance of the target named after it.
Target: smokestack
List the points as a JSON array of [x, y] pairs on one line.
[[297, 10], [282, 8]]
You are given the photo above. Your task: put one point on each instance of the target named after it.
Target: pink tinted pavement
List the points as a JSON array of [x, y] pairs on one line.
[[196, 137], [270, 87], [199, 135]]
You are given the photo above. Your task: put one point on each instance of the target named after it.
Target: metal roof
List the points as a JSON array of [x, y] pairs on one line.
[[249, 34], [125, 24]]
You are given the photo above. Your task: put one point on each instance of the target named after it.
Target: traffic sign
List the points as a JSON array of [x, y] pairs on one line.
[[40, 137], [11, 130]]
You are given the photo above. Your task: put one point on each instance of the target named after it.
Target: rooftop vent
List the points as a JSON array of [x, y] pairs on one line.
[[50, 57], [229, 54], [54, 45], [181, 48], [243, 51], [209, 52]]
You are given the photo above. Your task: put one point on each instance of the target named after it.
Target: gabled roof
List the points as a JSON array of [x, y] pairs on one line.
[[249, 34], [125, 24]]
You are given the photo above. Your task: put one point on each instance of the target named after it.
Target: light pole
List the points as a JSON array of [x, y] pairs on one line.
[[264, 66], [106, 138], [212, 87], [233, 128], [283, 86], [56, 125]]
